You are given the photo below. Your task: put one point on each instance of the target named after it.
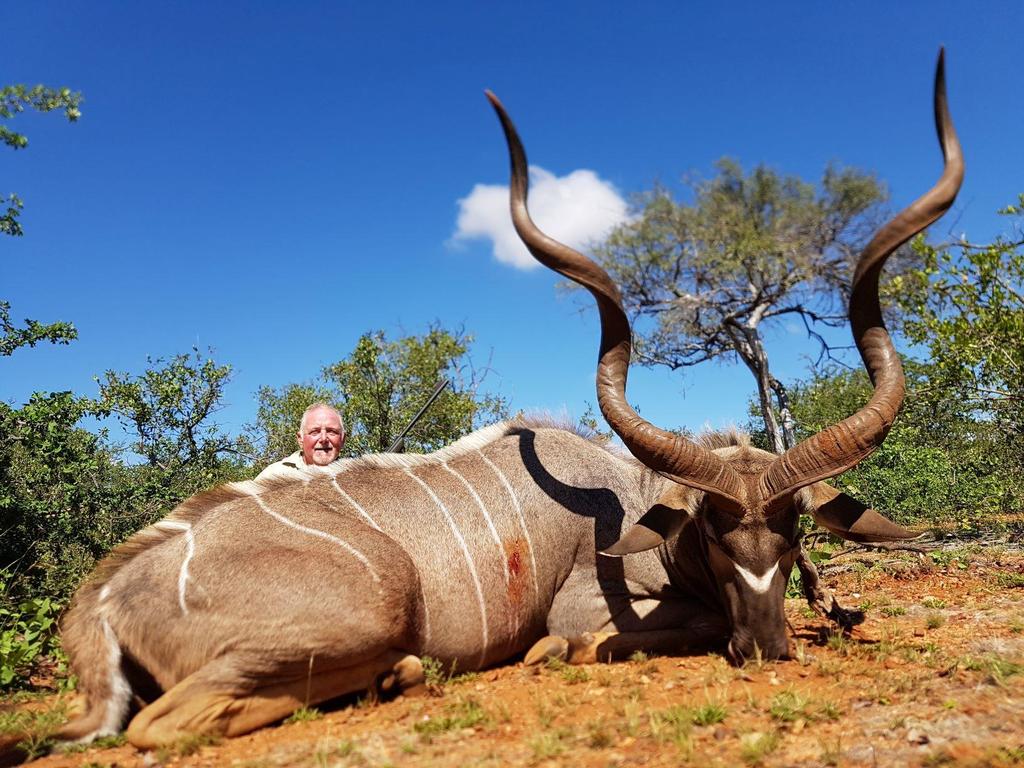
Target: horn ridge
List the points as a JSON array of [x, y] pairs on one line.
[[674, 456], [842, 446]]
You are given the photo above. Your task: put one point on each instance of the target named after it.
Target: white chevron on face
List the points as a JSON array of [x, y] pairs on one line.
[[759, 584]]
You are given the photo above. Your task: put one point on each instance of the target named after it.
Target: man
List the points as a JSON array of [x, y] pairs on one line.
[[321, 436]]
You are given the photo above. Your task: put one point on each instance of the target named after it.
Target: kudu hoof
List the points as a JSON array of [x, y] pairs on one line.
[[406, 678], [550, 647]]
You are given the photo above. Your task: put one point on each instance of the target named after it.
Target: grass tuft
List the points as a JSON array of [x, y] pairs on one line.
[[36, 727], [103, 742], [571, 674], [997, 669], [755, 747], [709, 714], [466, 713], [186, 746], [1010, 580], [787, 706], [672, 725], [304, 715], [549, 743]]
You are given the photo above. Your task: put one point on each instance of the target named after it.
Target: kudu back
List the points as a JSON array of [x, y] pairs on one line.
[[254, 599]]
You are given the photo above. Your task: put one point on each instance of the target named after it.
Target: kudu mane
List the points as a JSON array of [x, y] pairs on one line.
[[726, 438]]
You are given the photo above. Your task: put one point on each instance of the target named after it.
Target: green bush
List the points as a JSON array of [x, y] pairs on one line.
[[28, 635], [942, 462]]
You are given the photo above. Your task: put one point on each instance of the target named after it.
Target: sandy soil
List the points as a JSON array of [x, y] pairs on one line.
[[935, 676]]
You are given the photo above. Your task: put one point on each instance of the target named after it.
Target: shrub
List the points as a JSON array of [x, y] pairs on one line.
[[28, 635]]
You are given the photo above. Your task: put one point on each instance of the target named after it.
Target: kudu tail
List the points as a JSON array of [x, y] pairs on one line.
[[95, 657]]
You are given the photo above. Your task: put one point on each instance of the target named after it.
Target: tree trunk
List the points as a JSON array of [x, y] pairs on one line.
[[788, 422], [747, 342], [771, 424]]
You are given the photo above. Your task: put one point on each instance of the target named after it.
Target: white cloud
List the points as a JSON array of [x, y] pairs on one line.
[[576, 210]]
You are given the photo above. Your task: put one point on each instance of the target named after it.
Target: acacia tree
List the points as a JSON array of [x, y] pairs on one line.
[[705, 278], [15, 99]]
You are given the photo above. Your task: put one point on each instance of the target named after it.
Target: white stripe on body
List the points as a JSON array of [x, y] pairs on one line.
[[319, 534], [759, 584], [171, 525], [350, 500], [358, 507], [519, 514], [190, 551], [487, 517], [469, 561], [513, 615]]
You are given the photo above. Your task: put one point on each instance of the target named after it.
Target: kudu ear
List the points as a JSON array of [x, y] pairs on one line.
[[848, 518], [662, 521]]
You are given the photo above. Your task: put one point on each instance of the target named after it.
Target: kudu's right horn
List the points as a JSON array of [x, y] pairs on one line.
[[670, 454]]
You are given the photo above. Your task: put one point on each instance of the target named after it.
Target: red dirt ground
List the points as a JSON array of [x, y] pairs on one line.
[[935, 676]]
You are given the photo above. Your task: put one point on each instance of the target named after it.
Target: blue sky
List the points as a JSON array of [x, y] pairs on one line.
[[272, 180]]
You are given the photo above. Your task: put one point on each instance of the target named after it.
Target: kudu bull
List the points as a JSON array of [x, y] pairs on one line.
[[251, 600]]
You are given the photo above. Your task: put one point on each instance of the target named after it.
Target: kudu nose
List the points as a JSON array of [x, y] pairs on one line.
[[743, 647]]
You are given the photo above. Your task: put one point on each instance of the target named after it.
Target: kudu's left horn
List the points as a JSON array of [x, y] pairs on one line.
[[844, 445]]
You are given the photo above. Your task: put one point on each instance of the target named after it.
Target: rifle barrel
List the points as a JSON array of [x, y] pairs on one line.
[[433, 396]]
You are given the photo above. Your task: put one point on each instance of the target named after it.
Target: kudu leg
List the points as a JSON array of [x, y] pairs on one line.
[[594, 647], [211, 701], [821, 598]]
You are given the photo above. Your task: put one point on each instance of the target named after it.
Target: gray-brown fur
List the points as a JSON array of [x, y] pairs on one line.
[[260, 597]]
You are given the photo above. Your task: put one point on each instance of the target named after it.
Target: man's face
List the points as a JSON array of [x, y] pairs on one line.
[[322, 437]]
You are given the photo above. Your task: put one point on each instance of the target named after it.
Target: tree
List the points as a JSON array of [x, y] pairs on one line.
[[702, 280], [13, 337], [69, 494], [940, 463], [14, 99], [378, 388], [52, 479], [169, 408], [965, 305]]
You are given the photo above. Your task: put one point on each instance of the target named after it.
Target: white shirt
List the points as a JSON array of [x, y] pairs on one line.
[[291, 466]]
